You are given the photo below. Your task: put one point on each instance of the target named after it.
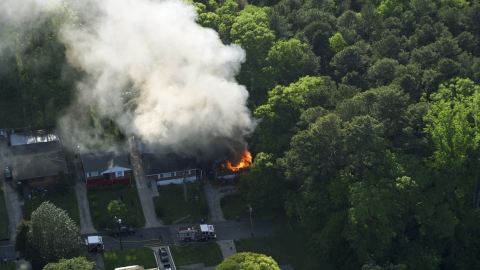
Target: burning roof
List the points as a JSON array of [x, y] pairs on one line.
[[244, 162]]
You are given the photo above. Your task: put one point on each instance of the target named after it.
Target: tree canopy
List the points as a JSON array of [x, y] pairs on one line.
[[77, 263], [248, 261], [52, 235], [367, 121]]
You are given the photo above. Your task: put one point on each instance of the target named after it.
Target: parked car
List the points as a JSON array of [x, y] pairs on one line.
[[167, 267], [8, 173], [125, 230], [163, 254]]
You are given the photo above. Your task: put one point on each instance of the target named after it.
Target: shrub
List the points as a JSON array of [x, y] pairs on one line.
[[160, 212], [94, 205], [96, 214], [203, 209], [91, 197]]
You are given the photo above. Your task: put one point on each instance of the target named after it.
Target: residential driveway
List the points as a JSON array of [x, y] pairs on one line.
[[216, 214], [8, 187], [144, 191], [86, 224]]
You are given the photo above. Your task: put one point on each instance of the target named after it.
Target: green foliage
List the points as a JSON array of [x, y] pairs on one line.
[[261, 187], [377, 157], [337, 43], [288, 60], [251, 31], [387, 7], [77, 263], [284, 107], [248, 260], [94, 205], [116, 209], [51, 227], [453, 122], [21, 238], [91, 197]]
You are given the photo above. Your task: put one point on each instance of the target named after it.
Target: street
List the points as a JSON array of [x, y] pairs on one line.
[[226, 230]]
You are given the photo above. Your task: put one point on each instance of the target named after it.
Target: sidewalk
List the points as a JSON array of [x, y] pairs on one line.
[[227, 247], [23, 265]]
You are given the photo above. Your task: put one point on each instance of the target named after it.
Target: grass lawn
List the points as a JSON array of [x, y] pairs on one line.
[[207, 253], [103, 196], [136, 256], [9, 266], [233, 206], [173, 205], [67, 202], [3, 217], [284, 246]]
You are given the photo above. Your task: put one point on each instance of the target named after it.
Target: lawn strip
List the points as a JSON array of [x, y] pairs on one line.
[[207, 253]]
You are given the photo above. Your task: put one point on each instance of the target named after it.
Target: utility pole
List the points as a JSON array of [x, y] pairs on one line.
[[185, 182], [119, 221], [251, 222]]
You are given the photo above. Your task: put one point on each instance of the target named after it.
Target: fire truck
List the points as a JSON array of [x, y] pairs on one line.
[[202, 232], [94, 243]]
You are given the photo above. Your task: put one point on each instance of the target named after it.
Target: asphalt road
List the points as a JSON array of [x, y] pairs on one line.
[[226, 230]]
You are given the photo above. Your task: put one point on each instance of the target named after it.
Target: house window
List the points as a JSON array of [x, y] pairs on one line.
[[92, 174], [172, 174], [187, 172], [119, 174], [160, 175]]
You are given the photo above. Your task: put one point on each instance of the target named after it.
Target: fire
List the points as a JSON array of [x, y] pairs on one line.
[[245, 162]]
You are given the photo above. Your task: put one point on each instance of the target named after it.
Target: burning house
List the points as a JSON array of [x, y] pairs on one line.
[[228, 169]]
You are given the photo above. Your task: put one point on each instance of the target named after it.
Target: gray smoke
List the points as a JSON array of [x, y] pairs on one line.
[[163, 78]]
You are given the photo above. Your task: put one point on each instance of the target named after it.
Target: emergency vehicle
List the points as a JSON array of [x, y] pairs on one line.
[[202, 232]]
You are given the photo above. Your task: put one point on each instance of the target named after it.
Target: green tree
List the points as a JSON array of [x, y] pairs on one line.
[[251, 30], [337, 43], [53, 235], [21, 238], [42, 68], [453, 123], [77, 263], [248, 261], [262, 187], [283, 109], [287, 61], [382, 72], [351, 58], [116, 209]]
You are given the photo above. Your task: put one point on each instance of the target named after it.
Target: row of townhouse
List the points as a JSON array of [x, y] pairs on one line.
[[38, 156]]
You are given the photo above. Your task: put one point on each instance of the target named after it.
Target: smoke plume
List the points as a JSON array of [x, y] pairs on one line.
[[162, 78]]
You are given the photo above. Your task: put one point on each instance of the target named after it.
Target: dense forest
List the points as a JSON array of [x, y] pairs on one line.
[[369, 118]]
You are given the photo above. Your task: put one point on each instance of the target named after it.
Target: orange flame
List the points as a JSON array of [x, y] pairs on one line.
[[245, 162]]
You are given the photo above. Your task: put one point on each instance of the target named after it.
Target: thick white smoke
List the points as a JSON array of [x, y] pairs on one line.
[[177, 77]]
